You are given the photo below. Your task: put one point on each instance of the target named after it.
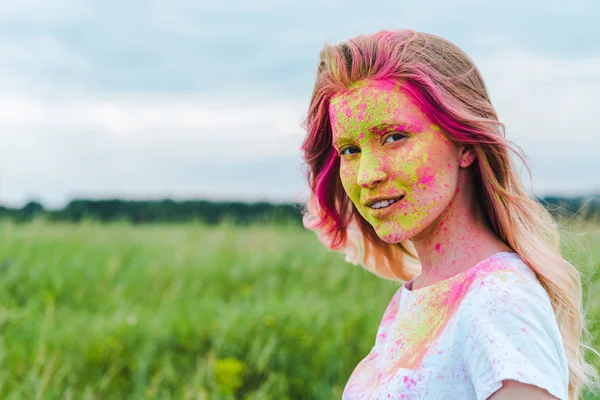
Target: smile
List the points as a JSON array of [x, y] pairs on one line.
[[384, 207], [385, 203]]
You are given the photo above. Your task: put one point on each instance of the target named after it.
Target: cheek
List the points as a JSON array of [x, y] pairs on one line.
[[348, 177], [432, 173], [434, 182], [426, 177]]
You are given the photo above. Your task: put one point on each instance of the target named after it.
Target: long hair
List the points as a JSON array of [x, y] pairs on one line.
[[445, 84]]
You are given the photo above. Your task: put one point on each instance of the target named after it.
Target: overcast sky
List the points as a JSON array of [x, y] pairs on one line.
[[182, 99]]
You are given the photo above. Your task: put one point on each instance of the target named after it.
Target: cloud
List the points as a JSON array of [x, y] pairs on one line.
[[43, 12], [549, 106], [146, 145], [184, 46]]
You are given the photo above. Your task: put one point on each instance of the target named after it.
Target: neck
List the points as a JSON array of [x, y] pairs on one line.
[[458, 239]]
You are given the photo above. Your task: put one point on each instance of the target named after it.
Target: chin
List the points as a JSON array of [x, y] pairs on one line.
[[392, 237], [392, 233]]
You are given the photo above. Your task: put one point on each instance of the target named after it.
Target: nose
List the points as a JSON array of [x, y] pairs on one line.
[[370, 171]]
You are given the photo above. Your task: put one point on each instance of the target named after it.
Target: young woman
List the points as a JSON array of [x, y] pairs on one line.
[[410, 176]]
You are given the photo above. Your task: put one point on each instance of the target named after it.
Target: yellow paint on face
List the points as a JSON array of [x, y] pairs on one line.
[[407, 155]]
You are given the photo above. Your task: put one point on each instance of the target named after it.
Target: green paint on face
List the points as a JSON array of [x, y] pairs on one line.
[[389, 148]]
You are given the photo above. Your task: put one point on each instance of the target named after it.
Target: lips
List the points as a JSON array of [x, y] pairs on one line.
[[384, 203], [385, 212]]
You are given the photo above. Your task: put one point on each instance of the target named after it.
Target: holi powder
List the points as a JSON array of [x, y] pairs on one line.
[[425, 176], [403, 342], [417, 162]]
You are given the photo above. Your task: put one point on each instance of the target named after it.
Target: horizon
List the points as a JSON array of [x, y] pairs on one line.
[[225, 199]]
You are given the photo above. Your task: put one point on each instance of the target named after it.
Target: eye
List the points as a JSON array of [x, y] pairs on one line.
[[398, 135], [343, 149]]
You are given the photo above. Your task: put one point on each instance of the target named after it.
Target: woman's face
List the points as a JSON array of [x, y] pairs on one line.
[[389, 148]]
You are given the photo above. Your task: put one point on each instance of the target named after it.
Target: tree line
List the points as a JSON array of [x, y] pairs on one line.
[[158, 211], [214, 212]]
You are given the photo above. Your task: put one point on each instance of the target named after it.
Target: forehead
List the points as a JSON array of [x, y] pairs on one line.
[[370, 103], [366, 89]]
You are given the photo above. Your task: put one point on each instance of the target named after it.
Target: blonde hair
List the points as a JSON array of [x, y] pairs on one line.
[[446, 85]]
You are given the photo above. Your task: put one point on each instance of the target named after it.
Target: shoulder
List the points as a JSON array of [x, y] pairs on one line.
[[510, 286], [508, 331], [510, 298]]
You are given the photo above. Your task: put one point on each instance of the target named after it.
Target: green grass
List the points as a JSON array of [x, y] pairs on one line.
[[92, 311]]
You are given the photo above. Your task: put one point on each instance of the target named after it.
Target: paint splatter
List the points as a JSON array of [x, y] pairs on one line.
[[414, 348]]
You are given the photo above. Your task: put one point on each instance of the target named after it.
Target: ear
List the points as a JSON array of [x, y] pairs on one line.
[[467, 156]]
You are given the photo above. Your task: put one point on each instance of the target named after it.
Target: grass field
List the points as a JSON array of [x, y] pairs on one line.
[[91, 311]]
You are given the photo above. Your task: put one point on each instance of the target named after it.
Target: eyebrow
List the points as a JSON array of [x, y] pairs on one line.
[[380, 129]]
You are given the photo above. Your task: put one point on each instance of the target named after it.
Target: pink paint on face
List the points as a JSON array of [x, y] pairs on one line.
[[388, 147], [426, 177]]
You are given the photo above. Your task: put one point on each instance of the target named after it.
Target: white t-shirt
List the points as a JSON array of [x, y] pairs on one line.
[[459, 338]]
